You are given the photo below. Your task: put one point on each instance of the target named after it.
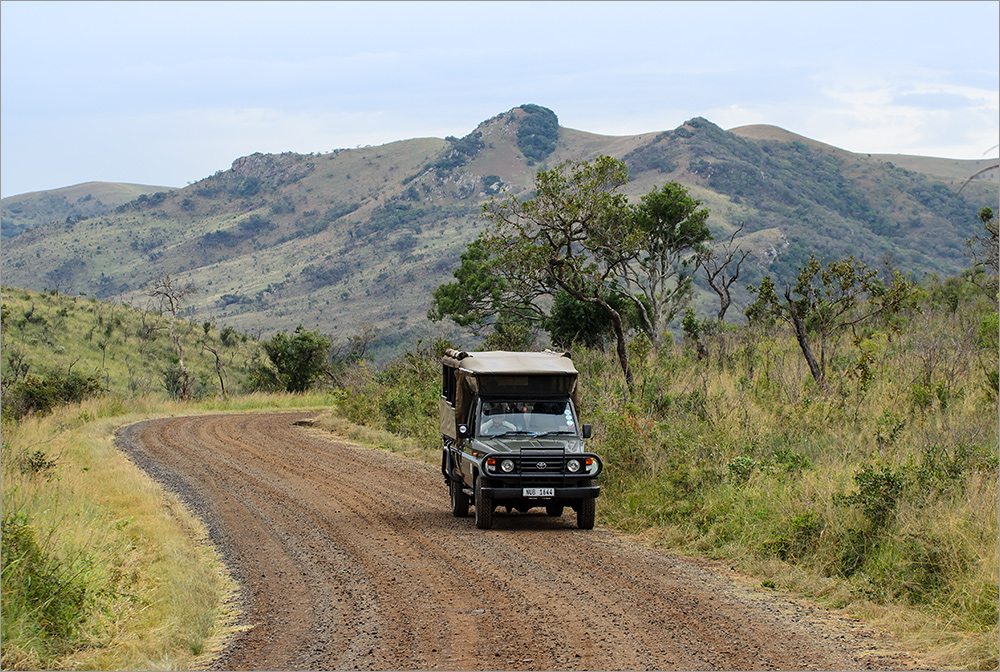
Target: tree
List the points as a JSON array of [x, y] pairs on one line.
[[573, 235], [483, 289], [298, 361], [572, 321], [720, 271], [982, 249], [671, 226], [170, 294], [827, 300]]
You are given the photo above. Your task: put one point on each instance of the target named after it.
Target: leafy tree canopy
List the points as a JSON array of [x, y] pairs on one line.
[[573, 235], [298, 360], [672, 228], [825, 300], [573, 322]]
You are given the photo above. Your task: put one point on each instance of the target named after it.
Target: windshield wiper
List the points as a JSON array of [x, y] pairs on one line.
[[509, 432]]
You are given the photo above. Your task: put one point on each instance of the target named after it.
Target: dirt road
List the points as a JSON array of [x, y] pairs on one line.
[[349, 558]]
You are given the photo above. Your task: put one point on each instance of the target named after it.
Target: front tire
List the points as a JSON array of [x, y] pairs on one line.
[[484, 507], [459, 500], [586, 512]]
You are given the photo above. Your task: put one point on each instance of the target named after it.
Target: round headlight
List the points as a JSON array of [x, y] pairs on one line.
[[573, 465], [507, 466]]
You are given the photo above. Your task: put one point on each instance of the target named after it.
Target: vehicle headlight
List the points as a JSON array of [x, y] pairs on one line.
[[573, 465], [507, 466]]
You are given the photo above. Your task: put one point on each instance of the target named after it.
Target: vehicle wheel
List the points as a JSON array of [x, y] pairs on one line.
[[459, 500], [554, 510], [585, 514], [484, 507]]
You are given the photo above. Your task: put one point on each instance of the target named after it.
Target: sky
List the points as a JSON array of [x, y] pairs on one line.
[[167, 93]]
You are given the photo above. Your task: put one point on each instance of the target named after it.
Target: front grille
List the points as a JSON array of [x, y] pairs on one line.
[[541, 466]]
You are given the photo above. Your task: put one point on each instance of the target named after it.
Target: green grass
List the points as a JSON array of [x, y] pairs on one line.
[[128, 352]]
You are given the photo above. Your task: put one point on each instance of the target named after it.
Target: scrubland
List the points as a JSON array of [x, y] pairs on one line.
[[877, 493]]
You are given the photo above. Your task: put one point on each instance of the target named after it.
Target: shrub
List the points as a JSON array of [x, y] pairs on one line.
[[36, 394], [298, 360]]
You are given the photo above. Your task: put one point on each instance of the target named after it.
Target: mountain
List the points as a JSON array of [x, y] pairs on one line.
[[90, 199], [356, 237]]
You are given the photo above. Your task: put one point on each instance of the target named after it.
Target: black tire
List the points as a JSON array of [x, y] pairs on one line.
[[484, 507], [459, 500], [586, 512], [554, 510]]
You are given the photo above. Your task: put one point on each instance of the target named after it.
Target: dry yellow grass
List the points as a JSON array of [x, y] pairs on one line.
[[158, 596]]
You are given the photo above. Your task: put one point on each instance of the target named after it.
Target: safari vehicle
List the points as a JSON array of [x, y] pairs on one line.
[[512, 437]]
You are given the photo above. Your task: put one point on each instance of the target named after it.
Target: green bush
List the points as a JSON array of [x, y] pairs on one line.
[[798, 539], [298, 360], [36, 394]]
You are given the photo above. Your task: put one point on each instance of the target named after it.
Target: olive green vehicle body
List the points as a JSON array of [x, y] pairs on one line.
[[512, 437]]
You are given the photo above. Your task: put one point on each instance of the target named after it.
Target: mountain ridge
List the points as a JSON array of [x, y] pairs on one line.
[[353, 237], [21, 212]]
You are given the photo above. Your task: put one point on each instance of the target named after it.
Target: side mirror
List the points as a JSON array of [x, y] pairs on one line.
[[586, 431], [463, 431]]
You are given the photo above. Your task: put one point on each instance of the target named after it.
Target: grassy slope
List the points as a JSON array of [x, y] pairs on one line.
[[128, 350], [954, 171]]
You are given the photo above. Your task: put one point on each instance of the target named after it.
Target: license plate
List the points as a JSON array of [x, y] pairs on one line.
[[538, 492]]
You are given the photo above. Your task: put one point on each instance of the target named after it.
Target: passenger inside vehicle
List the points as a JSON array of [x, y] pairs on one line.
[[532, 417]]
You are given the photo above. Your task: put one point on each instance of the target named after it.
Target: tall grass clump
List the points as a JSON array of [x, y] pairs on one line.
[[96, 572], [882, 487]]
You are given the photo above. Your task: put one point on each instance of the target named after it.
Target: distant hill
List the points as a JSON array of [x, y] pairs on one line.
[[363, 236], [90, 199]]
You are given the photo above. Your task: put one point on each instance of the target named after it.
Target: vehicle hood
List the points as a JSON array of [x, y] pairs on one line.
[[516, 444]]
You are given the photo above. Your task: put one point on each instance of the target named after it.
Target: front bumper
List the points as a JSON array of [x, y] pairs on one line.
[[561, 494]]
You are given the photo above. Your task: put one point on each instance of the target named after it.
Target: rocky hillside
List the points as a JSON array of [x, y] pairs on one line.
[[359, 237]]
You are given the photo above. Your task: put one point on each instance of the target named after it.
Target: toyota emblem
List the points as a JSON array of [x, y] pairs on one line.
[[541, 465]]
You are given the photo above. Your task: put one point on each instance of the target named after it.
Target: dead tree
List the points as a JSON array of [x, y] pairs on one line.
[[220, 370], [719, 271], [171, 294]]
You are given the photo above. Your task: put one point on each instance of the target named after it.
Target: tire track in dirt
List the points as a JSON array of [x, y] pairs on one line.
[[348, 558]]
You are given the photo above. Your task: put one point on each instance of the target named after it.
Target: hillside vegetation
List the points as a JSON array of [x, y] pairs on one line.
[[60, 348], [360, 237], [58, 206]]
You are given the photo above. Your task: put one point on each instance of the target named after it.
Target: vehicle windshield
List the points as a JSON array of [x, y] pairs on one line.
[[526, 417]]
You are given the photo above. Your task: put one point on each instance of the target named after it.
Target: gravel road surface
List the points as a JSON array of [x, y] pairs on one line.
[[349, 558]]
